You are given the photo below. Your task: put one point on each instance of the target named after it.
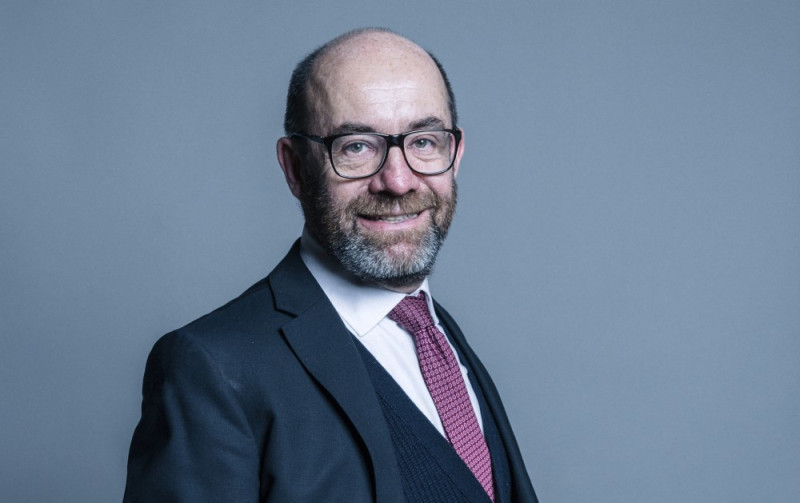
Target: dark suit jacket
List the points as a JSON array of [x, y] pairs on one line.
[[267, 399]]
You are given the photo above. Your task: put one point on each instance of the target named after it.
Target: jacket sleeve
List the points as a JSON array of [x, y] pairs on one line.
[[193, 442]]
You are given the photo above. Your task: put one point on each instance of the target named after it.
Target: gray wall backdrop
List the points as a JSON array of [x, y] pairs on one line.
[[626, 255]]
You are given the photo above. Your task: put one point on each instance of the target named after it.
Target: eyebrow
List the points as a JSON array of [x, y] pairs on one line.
[[428, 123], [352, 127], [357, 127]]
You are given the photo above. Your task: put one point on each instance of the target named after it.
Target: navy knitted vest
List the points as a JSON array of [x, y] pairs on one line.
[[430, 469]]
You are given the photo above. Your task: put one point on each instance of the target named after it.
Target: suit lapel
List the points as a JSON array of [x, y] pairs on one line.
[[326, 349]]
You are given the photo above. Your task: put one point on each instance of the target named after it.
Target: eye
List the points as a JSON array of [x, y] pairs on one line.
[[356, 146], [425, 143], [422, 143]]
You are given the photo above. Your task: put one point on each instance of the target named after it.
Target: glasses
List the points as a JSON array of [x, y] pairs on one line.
[[360, 155]]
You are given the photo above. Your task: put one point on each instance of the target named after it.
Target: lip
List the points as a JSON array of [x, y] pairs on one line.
[[392, 222]]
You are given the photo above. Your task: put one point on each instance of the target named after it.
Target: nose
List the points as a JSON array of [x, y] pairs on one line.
[[395, 177]]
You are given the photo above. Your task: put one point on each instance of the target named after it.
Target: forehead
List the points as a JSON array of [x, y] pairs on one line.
[[377, 81]]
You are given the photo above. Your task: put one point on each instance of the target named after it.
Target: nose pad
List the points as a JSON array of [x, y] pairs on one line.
[[396, 157], [396, 176]]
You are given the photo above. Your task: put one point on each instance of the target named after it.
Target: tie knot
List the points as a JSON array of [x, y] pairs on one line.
[[412, 314]]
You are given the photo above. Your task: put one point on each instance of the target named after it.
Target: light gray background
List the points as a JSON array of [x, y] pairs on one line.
[[625, 257]]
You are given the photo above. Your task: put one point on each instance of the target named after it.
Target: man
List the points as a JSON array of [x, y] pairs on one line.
[[332, 379]]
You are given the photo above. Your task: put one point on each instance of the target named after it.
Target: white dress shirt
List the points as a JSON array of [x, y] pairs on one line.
[[364, 308]]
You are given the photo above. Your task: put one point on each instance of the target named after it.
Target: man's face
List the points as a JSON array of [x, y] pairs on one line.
[[387, 228]]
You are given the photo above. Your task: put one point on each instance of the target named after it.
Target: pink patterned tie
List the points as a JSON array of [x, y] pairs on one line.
[[446, 385]]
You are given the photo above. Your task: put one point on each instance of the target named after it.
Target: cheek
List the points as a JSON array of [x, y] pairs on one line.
[[442, 186], [343, 192]]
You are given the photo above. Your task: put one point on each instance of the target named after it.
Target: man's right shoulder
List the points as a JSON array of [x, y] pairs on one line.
[[252, 322], [249, 317]]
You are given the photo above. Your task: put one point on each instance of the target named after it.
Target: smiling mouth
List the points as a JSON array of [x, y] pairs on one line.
[[392, 219]]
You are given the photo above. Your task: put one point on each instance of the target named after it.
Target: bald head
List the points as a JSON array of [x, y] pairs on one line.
[[348, 59]]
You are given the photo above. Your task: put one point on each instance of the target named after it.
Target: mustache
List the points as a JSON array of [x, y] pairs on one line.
[[387, 204]]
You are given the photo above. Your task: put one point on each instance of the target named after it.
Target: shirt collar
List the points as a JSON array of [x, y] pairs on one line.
[[361, 305]]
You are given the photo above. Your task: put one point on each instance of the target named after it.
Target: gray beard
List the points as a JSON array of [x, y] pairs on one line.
[[369, 262], [369, 257]]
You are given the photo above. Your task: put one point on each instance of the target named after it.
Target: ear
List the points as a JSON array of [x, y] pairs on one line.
[[459, 154], [291, 164]]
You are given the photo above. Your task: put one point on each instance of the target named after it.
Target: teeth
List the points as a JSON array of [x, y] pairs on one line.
[[395, 219]]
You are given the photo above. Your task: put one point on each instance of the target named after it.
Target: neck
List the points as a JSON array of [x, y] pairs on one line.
[[404, 288]]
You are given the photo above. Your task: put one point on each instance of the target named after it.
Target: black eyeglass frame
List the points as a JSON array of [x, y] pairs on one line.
[[392, 140]]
